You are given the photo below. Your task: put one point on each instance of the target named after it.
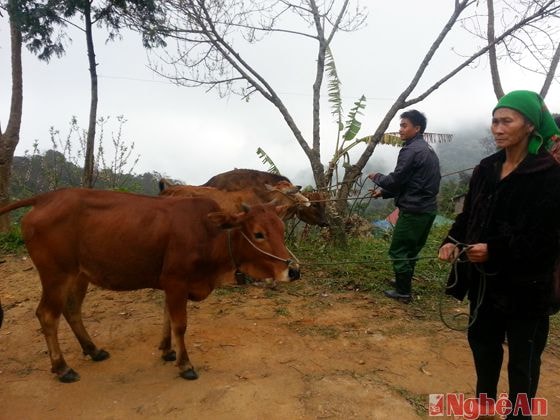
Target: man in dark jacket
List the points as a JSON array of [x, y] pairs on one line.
[[414, 184]]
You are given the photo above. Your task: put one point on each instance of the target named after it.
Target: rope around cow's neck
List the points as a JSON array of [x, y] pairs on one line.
[[287, 261], [236, 266]]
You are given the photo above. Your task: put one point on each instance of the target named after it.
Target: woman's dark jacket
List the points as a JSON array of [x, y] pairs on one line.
[[519, 218]]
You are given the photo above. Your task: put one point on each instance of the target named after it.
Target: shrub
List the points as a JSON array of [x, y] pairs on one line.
[[12, 241]]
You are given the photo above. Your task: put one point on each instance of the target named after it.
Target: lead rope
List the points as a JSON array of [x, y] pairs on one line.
[[239, 276], [287, 261], [481, 290]]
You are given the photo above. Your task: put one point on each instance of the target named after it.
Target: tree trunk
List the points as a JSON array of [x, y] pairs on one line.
[[88, 179], [551, 72], [494, 72], [10, 138]]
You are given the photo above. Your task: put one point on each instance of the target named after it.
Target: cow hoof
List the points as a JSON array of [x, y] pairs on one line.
[[100, 355], [170, 357], [69, 376], [189, 374]]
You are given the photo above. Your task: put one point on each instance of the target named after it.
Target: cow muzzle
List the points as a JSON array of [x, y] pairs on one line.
[[293, 271]]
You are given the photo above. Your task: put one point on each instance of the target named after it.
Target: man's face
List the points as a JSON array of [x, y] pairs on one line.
[[408, 130]]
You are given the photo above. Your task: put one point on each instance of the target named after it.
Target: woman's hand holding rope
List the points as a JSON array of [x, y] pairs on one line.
[[477, 253]]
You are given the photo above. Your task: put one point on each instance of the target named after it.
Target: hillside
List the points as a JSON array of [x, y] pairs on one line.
[[40, 173]]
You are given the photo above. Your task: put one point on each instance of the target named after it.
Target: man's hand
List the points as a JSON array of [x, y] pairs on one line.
[[375, 193], [371, 176]]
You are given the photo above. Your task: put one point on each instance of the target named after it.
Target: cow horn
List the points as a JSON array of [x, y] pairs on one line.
[[246, 207]]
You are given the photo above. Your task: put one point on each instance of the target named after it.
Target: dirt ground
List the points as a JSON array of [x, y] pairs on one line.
[[295, 352]]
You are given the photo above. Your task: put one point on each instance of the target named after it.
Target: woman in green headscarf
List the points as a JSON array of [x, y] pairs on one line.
[[509, 235]]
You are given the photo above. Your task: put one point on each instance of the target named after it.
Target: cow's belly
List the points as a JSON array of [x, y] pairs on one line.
[[121, 274]]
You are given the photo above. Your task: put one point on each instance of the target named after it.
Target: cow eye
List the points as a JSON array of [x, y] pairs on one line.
[[259, 235]]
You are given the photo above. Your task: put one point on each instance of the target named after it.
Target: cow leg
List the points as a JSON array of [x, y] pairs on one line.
[[73, 313], [167, 353], [176, 303], [48, 312]]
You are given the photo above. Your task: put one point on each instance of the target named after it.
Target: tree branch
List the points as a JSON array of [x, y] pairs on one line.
[[551, 72]]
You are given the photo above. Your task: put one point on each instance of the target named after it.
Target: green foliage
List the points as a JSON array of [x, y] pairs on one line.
[[272, 168], [333, 87], [365, 265], [43, 22], [356, 267], [352, 124], [449, 191], [12, 241]]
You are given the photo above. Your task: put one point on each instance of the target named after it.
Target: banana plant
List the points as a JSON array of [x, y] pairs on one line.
[[347, 131], [272, 168]]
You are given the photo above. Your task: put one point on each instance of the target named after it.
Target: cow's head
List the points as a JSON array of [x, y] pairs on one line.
[[315, 214], [284, 192], [256, 241]]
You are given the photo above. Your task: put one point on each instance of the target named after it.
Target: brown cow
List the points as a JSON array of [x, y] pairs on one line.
[[123, 241], [315, 214], [282, 192], [238, 179]]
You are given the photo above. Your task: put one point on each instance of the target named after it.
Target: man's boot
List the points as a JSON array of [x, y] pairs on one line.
[[403, 287]]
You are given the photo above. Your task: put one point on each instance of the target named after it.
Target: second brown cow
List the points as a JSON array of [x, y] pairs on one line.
[[238, 179], [281, 192]]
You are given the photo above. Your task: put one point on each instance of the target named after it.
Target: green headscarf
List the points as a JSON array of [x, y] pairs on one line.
[[532, 106]]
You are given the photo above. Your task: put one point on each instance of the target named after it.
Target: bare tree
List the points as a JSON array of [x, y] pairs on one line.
[[10, 137], [533, 47], [207, 32]]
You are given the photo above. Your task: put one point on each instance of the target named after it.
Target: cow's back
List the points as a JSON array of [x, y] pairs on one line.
[[119, 240], [238, 179], [231, 201]]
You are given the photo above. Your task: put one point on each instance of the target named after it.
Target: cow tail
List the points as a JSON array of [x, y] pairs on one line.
[[16, 205]]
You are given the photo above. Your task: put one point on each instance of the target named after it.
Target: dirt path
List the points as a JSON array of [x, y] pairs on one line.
[[297, 352]]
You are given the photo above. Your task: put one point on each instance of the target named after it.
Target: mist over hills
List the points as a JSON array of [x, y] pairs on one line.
[[465, 150]]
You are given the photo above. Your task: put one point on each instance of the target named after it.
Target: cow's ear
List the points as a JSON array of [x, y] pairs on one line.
[[293, 190], [225, 220], [281, 211]]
